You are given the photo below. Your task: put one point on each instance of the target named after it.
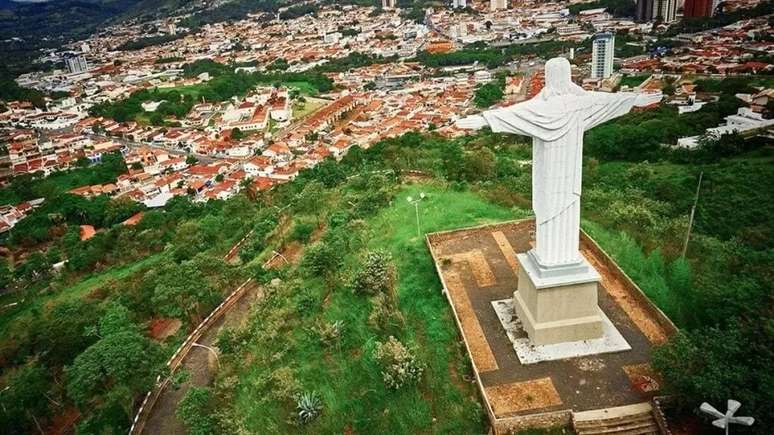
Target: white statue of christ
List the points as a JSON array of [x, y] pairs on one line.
[[556, 119]]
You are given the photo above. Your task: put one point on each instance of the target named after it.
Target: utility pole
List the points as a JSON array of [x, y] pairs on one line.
[[693, 213]]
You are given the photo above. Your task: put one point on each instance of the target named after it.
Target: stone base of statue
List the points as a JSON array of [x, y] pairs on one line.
[[557, 304]]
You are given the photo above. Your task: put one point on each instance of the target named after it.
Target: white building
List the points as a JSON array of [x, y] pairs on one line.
[[602, 52], [388, 4], [663, 11], [744, 120], [76, 64], [496, 5], [459, 4]]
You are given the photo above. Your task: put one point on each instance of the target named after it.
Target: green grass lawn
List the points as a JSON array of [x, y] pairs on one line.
[[346, 376], [633, 81], [306, 88]]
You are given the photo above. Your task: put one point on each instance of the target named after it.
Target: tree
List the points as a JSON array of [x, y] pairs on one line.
[[479, 164], [489, 94], [23, 400], [237, 134], [311, 200], [181, 290], [713, 364], [190, 159], [6, 276], [61, 333], [117, 368], [120, 209], [189, 240], [195, 410], [321, 259]]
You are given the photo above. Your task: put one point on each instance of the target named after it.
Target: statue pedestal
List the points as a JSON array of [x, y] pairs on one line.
[[557, 304]]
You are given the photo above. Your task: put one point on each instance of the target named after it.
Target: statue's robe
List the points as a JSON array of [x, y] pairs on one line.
[[557, 123]]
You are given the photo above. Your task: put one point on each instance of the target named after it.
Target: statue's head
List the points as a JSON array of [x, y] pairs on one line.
[[559, 79]]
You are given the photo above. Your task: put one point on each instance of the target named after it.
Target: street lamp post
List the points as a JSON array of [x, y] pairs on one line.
[[416, 202]]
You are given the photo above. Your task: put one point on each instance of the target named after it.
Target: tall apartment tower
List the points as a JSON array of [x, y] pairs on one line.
[[698, 8], [388, 4], [663, 11], [76, 64], [602, 50], [459, 4], [497, 5]]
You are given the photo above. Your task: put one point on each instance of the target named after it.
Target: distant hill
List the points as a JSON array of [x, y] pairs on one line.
[[30, 25], [67, 19]]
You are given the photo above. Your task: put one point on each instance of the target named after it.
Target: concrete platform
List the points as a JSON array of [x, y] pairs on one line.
[[478, 267], [611, 340]]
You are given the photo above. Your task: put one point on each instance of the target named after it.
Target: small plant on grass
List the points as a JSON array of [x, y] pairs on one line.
[[384, 314], [377, 275], [284, 384], [330, 332], [309, 407], [400, 366]]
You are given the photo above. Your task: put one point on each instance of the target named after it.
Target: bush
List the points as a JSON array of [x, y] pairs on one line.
[[715, 364], [308, 406], [377, 274], [384, 314], [399, 365], [330, 332], [284, 384], [321, 259], [195, 411], [302, 232]]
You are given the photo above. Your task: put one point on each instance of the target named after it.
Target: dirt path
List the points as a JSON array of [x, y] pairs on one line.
[[162, 419]]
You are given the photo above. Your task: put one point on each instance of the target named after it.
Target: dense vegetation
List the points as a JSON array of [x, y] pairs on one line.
[[78, 336], [490, 93], [494, 57], [31, 186], [177, 102], [149, 41]]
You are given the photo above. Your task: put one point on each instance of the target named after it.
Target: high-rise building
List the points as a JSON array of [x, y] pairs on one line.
[[698, 8], [388, 4], [496, 5], [662, 11], [459, 4], [602, 50], [76, 64]]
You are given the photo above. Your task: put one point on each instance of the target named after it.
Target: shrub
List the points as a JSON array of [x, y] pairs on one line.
[[383, 313], [377, 274], [399, 364], [308, 406], [284, 384], [195, 411], [302, 232], [330, 332], [321, 259]]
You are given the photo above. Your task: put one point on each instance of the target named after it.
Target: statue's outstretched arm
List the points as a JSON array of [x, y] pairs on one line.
[[604, 106], [530, 118]]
